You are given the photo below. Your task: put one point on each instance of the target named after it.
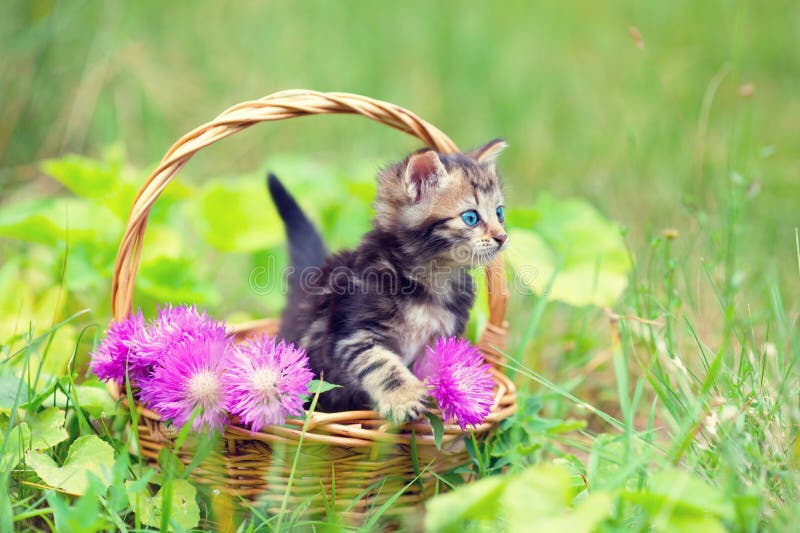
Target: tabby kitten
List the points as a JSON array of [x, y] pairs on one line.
[[365, 315]]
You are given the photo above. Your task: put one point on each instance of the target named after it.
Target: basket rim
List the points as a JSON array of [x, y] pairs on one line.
[[347, 428], [344, 428], [279, 106]]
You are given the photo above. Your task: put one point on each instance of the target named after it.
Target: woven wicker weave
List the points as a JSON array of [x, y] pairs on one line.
[[355, 452]]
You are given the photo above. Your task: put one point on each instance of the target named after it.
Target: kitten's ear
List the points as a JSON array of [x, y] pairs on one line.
[[488, 152], [424, 172]]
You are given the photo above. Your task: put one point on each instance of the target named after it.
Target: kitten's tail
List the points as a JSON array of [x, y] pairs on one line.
[[306, 249]]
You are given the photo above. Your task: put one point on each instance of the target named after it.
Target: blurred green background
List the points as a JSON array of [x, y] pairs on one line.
[[654, 167], [647, 110], [584, 109]]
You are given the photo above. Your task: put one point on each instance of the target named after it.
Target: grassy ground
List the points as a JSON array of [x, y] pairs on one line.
[[678, 117]]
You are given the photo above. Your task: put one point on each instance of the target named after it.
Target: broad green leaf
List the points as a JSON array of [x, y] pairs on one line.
[[307, 180], [94, 399], [475, 501], [362, 190], [87, 454], [47, 428], [590, 512], [106, 183], [83, 516], [51, 221], [89, 269], [29, 303], [543, 490], [585, 518], [35, 314], [93, 179], [184, 510], [6, 511], [685, 493], [168, 460], [343, 222], [236, 215], [574, 237], [13, 449], [10, 386], [574, 226], [161, 242], [142, 503], [692, 523], [174, 280], [540, 498]]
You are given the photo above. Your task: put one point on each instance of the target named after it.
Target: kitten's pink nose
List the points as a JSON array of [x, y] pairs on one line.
[[500, 238]]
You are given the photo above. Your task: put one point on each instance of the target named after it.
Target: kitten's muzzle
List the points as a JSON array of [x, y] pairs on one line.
[[500, 239]]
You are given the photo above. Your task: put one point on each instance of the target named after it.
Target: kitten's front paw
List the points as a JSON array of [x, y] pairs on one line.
[[404, 404]]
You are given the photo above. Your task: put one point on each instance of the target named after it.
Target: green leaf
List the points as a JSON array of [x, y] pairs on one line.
[[84, 516], [47, 428], [594, 264], [184, 510], [51, 221], [13, 449], [437, 426], [694, 523], [476, 501], [94, 399], [541, 498], [161, 242], [590, 512], [10, 386], [322, 386], [105, 183], [97, 180], [542, 490], [236, 215], [87, 454], [479, 312], [6, 511], [174, 280], [682, 493], [170, 462]]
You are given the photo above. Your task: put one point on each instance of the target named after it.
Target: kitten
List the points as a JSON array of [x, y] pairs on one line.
[[365, 315]]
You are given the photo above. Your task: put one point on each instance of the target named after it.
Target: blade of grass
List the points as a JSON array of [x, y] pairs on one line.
[[373, 520], [290, 481]]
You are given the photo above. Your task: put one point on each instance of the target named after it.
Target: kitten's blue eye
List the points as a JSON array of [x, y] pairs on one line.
[[470, 217], [500, 215]]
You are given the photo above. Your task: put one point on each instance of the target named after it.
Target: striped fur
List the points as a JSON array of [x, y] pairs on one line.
[[364, 315]]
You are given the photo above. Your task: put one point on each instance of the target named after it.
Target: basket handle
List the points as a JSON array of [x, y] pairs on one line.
[[279, 106]]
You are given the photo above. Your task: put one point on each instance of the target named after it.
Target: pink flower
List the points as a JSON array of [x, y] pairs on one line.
[[265, 381], [154, 344], [189, 378], [458, 379], [115, 351]]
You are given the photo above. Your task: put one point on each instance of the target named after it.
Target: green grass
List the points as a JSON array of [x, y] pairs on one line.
[[677, 404]]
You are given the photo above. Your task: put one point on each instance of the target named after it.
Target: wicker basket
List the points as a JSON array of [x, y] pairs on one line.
[[355, 455]]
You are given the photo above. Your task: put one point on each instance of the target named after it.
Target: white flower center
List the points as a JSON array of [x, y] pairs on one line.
[[264, 380], [204, 388]]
